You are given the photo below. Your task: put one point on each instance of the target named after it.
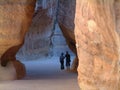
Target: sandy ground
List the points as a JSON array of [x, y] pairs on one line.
[[43, 75]]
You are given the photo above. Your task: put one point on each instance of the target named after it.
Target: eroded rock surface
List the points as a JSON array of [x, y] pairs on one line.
[[15, 18], [96, 24], [97, 41], [44, 37], [39, 38], [66, 17]]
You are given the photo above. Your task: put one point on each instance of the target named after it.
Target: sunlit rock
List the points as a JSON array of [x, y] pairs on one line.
[[97, 41], [15, 18], [66, 16]]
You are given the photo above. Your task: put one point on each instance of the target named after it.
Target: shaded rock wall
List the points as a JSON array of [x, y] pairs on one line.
[[59, 44], [8, 72], [65, 17], [15, 18], [97, 36], [38, 39], [97, 41], [44, 37]]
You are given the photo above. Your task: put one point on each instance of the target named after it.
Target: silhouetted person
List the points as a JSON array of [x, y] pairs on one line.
[[62, 60], [67, 56]]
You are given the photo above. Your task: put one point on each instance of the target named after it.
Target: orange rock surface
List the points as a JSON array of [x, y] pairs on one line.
[[15, 18], [97, 42]]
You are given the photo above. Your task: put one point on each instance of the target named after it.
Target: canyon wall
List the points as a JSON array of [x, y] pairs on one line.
[[38, 39], [91, 26], [15, 18], [65, 18], [98, 46], [44, 37]]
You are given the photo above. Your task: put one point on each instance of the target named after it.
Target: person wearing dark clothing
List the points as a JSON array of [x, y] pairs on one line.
[[67, 56], [62, 60]]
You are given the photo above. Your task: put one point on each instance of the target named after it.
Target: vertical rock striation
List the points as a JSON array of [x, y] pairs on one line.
[[97, 41]]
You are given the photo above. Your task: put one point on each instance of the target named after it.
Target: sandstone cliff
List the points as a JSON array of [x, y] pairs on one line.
[[15, 18], [97, 41]]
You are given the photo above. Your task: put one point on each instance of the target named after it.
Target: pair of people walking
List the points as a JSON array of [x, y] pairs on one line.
[[67, 57]]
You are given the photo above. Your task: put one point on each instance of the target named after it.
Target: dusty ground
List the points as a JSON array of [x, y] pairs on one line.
[[43, 75]]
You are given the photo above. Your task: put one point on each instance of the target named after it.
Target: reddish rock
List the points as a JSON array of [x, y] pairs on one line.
[[15, 19], [20, 69], [66, 17], [97, 42], [74, 65]]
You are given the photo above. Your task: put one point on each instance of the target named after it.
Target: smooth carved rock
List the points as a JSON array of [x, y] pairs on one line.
[[98, 44], [15, 18], [9, 55]]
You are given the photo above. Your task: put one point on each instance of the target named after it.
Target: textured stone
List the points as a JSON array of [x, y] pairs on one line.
[[15, 18], [20, 69], [38, 39], [97, 42], [44, 37], [96, 24], [66, 15], [74, 65]]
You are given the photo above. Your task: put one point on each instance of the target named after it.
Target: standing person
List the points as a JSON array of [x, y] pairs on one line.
[[62, 60], [67, 56]]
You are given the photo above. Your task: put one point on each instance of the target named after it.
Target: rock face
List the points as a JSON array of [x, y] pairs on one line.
[[59, 44], [38, 39], [96, 24], [15, 18], [66, 16], [98, 46], [44, 37]]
